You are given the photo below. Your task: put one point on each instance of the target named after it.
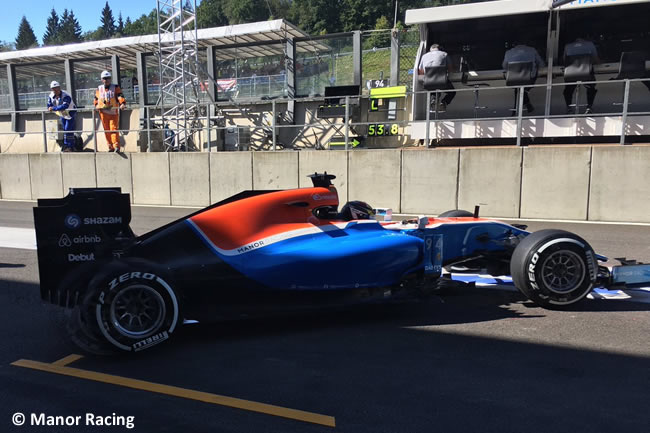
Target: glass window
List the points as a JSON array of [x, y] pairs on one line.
[[33, 83], [251, 72], [153, 79], [323, 62], [5, 97], [87, 77]]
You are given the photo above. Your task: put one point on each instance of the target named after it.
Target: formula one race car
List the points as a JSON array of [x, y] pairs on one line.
[[261, 252]]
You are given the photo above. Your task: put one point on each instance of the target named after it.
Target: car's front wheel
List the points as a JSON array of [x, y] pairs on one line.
[[554, 268]]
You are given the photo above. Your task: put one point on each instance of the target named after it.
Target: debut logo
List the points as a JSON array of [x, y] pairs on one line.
[[72, 221], [81, 257]]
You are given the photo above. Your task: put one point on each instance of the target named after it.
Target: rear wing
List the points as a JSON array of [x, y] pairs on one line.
[[75, 232]]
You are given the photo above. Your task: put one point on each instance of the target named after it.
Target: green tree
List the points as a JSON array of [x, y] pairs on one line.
[[316, 16], [6, 46], [120, 25], [51, 35], [145, 25], [26, 37], [245, 11], [379, 39], [70, 30], [209, 13], [108, 22]]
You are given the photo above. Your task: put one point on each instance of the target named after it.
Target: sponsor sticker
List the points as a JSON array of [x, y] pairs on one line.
[[67, 241], [81, 257], [72, 221]]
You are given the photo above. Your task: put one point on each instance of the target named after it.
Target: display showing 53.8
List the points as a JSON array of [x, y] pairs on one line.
[[381, 129]]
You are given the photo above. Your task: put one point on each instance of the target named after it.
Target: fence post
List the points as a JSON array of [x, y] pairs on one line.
[[94, 129], [273, 123], [520, 110], [207, 112], [44, 132], [428, 123], [626, 100], [347, 124]]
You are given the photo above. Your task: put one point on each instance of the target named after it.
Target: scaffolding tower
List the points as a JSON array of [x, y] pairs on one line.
[[178, 57]]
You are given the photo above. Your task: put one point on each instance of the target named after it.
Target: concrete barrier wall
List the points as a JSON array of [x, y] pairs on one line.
[[150, 172], [230, 174], [374, 177], [14, 177], [603, 183], [490, 177], [189, 179], [555, 182], [45, 175], [620, 184], [113, 170], [275, 170], [78, 171], [429, 181], [333, 162]]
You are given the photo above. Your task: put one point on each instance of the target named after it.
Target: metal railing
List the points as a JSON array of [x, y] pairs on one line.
[[267, 131]]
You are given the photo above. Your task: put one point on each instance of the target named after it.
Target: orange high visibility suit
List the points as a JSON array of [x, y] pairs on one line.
[[108, 100]]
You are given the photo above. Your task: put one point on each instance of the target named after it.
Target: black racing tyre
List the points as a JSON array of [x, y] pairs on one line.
[[135, 307], [554, 268], [455, 213], [83, 330]]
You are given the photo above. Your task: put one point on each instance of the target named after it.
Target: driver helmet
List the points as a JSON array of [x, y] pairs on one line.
[[357, 210]]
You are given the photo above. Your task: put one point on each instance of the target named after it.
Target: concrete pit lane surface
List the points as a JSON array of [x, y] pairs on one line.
[[480, 359]]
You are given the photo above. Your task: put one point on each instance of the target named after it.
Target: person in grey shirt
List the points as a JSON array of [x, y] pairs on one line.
[[524, 53], [580, 47], [438, 57]]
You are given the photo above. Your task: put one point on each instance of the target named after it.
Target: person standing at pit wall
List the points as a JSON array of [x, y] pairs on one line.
[[109, 100], [61, 104]]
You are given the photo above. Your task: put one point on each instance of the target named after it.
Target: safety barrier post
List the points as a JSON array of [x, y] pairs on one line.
[[626, 101], [44, 132], [347, 123], [273, 123]]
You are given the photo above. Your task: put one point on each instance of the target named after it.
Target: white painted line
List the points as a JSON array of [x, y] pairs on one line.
[[12, 237]]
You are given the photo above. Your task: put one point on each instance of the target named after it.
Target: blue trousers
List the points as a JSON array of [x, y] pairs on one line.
[[68, 137]]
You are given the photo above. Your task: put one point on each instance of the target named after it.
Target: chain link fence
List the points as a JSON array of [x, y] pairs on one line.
[[409, 41]]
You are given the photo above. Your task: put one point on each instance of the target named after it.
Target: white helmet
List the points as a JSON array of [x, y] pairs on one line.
[[106, 74], [54, 84]]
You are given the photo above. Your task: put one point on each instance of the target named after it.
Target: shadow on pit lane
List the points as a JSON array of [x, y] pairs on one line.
[[374, 375]]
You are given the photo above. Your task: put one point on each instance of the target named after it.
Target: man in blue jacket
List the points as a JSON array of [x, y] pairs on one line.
[[61, 104]]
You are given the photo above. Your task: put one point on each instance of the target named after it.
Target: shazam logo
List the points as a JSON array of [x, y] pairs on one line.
[[72, 221], [65, 241]]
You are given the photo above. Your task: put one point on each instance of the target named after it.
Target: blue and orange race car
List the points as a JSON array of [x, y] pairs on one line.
[[264, 252]]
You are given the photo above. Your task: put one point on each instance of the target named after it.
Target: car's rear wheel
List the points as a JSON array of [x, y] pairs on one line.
[[455, 213], [554, 268], [136, 309], [130, 307]]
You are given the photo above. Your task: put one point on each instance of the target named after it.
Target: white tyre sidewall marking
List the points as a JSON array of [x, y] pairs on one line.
[[107, 335], [589, 266]]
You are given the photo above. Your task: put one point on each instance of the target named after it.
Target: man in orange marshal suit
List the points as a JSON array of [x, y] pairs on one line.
[[108, 100]]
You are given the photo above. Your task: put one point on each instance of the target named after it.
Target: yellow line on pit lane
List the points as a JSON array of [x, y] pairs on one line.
[[67, 360], [59, 367]]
